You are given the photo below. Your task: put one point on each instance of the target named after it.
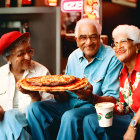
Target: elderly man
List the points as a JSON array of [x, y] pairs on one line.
[[16, 50], [91, 60]]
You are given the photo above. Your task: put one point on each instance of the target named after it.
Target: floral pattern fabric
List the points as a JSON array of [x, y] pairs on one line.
[[129, 99]]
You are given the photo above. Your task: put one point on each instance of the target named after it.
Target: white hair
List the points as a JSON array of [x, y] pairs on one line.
[[131, 31], [87, 21]]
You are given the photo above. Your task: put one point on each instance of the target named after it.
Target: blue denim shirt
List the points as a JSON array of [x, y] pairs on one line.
[[102, 72]]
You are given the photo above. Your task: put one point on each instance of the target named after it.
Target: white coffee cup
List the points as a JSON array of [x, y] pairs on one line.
[[105, 113]]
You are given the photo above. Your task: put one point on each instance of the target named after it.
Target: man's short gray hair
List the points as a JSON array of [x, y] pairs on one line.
[[87, 21], [8, 51], [131, 31]]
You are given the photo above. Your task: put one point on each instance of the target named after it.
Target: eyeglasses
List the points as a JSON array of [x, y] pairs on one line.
[[93, 37], [29, 51], [122, 42]]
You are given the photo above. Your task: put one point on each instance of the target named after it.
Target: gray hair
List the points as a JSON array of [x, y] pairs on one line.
[[87, 21], [131, 31], [18, 42]]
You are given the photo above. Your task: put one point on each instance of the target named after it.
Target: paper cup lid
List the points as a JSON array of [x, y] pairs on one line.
[[104, 105]]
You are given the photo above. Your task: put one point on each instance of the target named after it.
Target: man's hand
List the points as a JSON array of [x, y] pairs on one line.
[[85, 93], [1, 113], [61, 96]]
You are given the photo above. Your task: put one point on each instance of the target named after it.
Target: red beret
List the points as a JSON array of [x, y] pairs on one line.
[[7, 39]]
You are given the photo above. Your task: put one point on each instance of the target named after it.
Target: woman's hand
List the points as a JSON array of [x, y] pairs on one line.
[[85, 93], [1, 113], [130, 134], [35, 96], [122, 108], [24, 91]]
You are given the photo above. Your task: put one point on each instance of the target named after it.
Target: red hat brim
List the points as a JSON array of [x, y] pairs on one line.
[[8, 39]]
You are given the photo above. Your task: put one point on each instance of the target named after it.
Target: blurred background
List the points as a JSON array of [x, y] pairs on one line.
[[52, 22]]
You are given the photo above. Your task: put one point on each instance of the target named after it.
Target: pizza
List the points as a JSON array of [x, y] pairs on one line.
[[51, 80], [53, 83]]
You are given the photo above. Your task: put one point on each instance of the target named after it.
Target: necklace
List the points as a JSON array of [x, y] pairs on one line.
[[130, 91]]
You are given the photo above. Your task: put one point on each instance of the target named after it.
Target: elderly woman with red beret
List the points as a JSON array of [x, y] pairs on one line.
[[16, 50]]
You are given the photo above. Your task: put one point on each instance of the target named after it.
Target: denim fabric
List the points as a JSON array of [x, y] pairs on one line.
[[12, 126], [44, 118], [74, 102], [71, 123], [92, 131]]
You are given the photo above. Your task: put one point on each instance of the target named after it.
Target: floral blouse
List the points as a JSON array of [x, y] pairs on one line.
[[129, 99]]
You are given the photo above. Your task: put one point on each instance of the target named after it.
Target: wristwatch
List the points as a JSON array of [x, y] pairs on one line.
[[133, 123]]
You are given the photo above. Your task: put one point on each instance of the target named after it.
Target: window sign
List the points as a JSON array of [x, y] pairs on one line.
[[71, 5]]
